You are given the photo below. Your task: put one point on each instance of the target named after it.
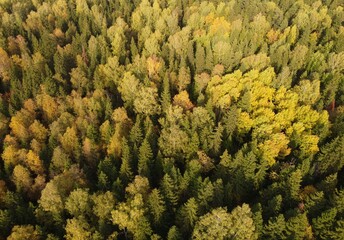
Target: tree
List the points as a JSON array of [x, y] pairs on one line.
[[145, 159], [78, 203], [25, 232], [60, 161], [38, 131], [174, 234], [103, 205], [219, 224], [131, 216], [329, 160], [70, 143], [324, 224], [169, 189], [184, 78], [298, 227], [276, 228], [22, 178], [5, 64], [140, 185], [34, 162], [125, 172], [77, 228], [182, 99], [57, 190], [156, 207], [147, 101], [129, 88], [200, 58], [173, 141], [187, 216], [20, 125]]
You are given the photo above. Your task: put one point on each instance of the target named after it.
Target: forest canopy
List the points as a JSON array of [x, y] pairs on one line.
[[171, 119]]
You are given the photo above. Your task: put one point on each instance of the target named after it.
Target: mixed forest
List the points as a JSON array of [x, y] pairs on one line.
[[171, 119]]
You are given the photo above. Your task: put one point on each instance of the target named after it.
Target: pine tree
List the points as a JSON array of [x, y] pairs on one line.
[[209, 60], [298, 227], [156, 207], [169, 191], [205, 196], [329, 161], [174, 234], [187, 216], [145, 159], [276, 228], [166, 93], [200, 58], [125, 172], [136, 135], [324, 224]]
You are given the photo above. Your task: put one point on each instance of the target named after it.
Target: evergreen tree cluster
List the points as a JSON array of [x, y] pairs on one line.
[[171, 119]]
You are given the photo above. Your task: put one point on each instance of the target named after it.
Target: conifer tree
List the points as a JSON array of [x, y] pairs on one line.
[[187, 216], [199, 58], [145, 159], [125, 172]]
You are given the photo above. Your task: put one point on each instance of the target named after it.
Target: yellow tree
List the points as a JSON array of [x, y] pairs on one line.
[[70, 142]]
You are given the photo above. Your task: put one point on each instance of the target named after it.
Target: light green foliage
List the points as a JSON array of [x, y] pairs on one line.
[[56, 191], [188, 215], [308, 92], [103, 205], [146, 101], [148, 119], [129, 87], [77, 228], [219, 224], [174, 234], [78, 203], [70, 142], [140, 185], [51, 200], [156, 206], [131, 216]]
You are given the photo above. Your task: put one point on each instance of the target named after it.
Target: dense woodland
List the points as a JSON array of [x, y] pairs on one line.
[[172, 119]]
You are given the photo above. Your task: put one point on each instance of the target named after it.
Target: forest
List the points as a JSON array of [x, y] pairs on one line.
[[171, 119]]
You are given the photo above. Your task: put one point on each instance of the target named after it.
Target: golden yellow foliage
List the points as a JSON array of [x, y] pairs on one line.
[[273, 35], [34, 162], [38, 131], [5, 64], [182, 99], [275, 146], [154, 65], [48, 105]]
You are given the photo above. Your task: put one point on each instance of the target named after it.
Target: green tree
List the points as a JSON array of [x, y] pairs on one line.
[[78, 203], [131, 216], [188, 216], [218, 224], [156, 207], [145, 159], [77, 228], [125, 172]]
